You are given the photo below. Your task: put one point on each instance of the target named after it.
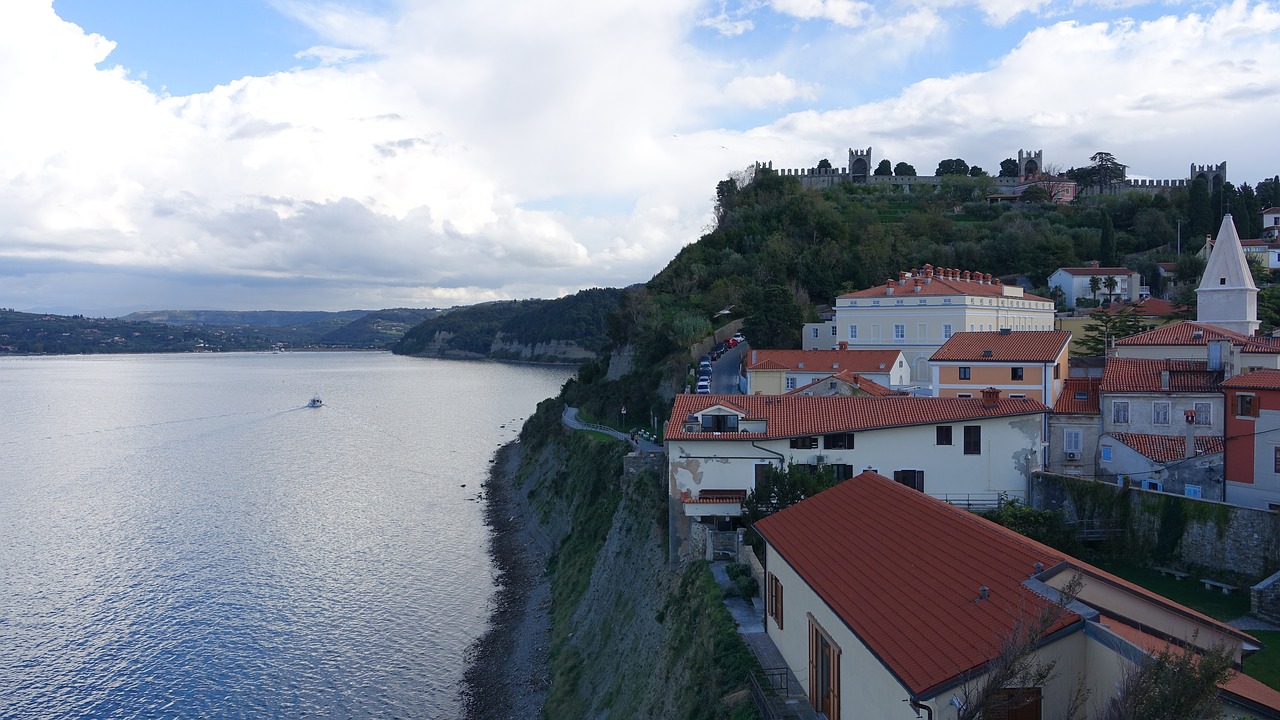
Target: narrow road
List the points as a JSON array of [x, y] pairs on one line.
[[570, 420]]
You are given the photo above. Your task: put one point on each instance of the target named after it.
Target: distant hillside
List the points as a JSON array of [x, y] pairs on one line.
[[250, 318], [363, 329], [569, 329]]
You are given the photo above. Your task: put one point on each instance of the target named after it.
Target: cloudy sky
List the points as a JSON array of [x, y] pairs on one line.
[[335, 154]]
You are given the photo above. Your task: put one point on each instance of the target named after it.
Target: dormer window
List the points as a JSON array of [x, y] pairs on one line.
[[719, 423]]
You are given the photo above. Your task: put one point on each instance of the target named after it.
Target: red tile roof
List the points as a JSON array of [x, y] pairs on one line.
[[1141, 375], [903, 571], [869, 387], [941, 281], [1168, 448], [1258, 379], [1038, 346], [1068, 403], [859, 361], [796, 415], [1198, 333], [1099, 271], [1151, 307]]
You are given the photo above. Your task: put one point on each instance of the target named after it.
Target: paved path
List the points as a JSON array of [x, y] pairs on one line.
[[571, 421], [749, 616]]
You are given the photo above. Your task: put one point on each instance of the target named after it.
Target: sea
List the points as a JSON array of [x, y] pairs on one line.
[[182, 537]]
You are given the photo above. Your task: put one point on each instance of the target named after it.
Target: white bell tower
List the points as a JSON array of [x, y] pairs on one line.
[[1227, 296]]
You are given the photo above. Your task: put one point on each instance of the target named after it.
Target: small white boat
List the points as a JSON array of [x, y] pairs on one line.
[[315, 402]]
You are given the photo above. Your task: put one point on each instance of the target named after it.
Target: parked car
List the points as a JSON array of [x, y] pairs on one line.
[[704, 386], [731, 343], [738, 338]]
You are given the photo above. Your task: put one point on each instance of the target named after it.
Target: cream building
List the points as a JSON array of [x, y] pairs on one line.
[[920, 310]]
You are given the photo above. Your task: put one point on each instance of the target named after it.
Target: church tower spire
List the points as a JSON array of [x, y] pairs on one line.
[[1227, 296]]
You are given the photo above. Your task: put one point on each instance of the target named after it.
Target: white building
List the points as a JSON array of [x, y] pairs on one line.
[[1227, 296], [920, 310], [774, 372], [1077, 282]]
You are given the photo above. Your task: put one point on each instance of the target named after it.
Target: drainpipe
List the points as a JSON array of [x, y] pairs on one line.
[[781, 458], [918, 707]]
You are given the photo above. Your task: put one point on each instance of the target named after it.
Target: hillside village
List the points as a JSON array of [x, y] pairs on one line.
[[943, 393]]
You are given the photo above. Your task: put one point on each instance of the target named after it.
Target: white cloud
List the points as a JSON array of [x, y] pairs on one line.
[[849, 13], [775, 89]]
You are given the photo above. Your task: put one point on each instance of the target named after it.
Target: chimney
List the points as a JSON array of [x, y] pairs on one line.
[[902, 277], [967, 275], [918, 283], [843, 345], [1190, 416], [888, 286], [990, 398]]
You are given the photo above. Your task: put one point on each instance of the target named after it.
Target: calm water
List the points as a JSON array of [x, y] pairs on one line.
[[181, 537]]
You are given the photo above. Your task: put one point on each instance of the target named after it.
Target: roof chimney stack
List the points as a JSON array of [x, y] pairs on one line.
[[990, 398], [843, 345]]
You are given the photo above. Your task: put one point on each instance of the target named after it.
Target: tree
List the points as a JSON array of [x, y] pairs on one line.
[[1199, 209], [1008, 168], [904, 170], [955, 166], [1173, 685], [775, 320], [1107, 170], [976, 171], [1035, 194], [1190, 268], [1110, 283], [1107, 251], [1095, 284], [1106, 326], [884, 169], [824, 164], [779, 488]]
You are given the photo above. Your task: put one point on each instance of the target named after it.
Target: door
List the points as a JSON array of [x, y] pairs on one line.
[[824, 672]]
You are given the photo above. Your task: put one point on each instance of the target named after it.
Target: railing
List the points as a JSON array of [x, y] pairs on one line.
[[972, 501], [774, 685]]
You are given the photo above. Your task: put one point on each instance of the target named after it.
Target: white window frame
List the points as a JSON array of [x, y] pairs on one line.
[[1207, 417], [1072, 440], [853, 332], [1118, 408], [1157, 409], [946, 330], [791, 383], [899, 331]]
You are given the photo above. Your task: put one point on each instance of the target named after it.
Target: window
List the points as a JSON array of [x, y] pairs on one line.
[[842, 472], [899, 332], [815, 332], [824, 672], [972, 439], [719, 423], [1276, 468], [1106, 453], [833, 329], [1014, 704], [1015, 373], [1247, 405], [808, 442], [943, 435], [1160, 413], [964, 373], [1072, 440], [1153, 485], [1192, 491], [838, 441], [913, 479], [1120, 411], [791, 383], [1057, 372], [853, 332], [1203, 414], [774, 599], [946, 330]]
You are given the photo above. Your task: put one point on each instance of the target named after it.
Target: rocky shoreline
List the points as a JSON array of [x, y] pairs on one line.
[[508, 669]]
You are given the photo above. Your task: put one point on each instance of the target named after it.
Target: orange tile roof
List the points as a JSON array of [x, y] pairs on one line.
[[796, 415], [1142, 375], [1042, 346], [1238, 684], [941, 281], [1099, 271], [903, 571], [870, 387], [860, 361], [1068, 403], [1198, 333], [1168, 448], [1258, 379], [1151, 307]]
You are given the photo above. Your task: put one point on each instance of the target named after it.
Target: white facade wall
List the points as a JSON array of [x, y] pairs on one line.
[[924, 323], [1011, 449], [1143, 413], [867, 689], [1128, 286], [1264, 491]]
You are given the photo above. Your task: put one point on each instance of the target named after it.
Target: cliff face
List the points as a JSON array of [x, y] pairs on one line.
[[629, 637]]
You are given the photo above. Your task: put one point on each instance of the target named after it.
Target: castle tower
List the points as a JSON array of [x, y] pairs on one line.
[[1030, 164], [1215, 175], [1227, 296], [859, 165]]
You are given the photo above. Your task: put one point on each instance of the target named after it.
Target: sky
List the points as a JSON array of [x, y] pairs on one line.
[[342, 154]]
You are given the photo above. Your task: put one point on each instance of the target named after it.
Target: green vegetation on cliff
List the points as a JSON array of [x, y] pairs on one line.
[[578, 319]]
